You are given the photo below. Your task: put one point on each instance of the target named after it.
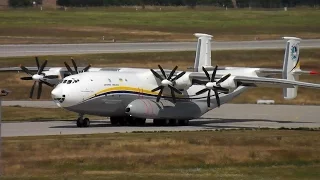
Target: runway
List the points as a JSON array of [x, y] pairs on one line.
[[64, 49], [228, 116]]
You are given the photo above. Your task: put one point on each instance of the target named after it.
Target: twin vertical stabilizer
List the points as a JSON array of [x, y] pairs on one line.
[[203, 52], [291, 64]]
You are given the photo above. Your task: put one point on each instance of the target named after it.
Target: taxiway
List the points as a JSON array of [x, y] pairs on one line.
[[93, 48], [242, 116]]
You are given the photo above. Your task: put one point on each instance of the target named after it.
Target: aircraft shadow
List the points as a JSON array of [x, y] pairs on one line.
[[207, 123]]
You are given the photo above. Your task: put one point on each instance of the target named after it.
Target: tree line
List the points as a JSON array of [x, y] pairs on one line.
[[192, 3]]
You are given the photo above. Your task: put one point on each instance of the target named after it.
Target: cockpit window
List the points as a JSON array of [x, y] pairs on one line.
[[69, 81], [64, 81]]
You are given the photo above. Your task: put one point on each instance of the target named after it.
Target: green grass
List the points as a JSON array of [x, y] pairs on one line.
[[250, 58], [267, 154], [36, 114], [80, 25]]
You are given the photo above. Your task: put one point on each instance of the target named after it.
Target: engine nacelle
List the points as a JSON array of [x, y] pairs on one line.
[[229, 83], [183, 82]]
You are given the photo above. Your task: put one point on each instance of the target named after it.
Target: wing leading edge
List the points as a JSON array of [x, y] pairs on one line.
[[272, 82]]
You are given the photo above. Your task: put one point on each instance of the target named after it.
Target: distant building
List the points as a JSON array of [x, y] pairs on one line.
[[49, 3], [4, 3]]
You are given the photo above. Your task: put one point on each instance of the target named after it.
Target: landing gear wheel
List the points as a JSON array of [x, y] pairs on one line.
[[164, 122], [183, 122], [173, 122], [140, 121], [83, 122], [122, 121], [131, 120], [79, 122], [86, 122], [114, 121], [157, 122]]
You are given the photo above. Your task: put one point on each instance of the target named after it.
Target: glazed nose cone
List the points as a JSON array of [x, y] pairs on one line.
[[56, 93]]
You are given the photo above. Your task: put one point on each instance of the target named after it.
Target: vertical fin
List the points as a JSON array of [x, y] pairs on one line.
[[203, 52], [291, 64]]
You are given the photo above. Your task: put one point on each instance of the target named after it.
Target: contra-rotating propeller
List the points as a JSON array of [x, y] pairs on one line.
[[38, 77], [75, 67], [167, 82], [213, 85]]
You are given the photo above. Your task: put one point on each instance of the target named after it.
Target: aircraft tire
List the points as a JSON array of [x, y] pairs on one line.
[[157, 122], [183, 122], [173, 122], [122, 121], [79, 122], [114, 121], [131, 120], [140, 121], [86, 122]]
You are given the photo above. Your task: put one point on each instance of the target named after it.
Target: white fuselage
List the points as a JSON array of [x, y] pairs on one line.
[[108, 93]]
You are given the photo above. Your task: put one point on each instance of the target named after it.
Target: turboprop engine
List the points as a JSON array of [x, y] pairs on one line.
[[229, 84]]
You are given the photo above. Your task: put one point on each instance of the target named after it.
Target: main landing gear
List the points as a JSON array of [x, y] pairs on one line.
[[132, 121], [83, 122], [128, 120], [170, 122]]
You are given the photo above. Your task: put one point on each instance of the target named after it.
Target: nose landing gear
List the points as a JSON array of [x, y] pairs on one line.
[[83, 122]]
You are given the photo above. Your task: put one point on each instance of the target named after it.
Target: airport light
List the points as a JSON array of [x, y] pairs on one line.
[[3, 93]]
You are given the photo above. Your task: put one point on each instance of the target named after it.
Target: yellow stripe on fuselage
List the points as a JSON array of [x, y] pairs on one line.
[[124, 88]]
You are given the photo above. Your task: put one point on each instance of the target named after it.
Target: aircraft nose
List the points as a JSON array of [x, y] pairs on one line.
[[57, 95]]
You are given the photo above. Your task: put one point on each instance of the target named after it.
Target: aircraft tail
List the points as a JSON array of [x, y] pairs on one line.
[[291, 65], [203, 52]]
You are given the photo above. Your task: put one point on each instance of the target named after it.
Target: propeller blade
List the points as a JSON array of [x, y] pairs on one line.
[[48, 84], [51, 77], [37, 62], [172, 94], [74, 65], [156, 89], [175, 89], [206, 72], [223, 78], [202, 91], [172, 72], [224, 90], [217, 97], [214, 74], [208, 98], [86, 68], [24, 69], [39, 90], [178, 76], [42, 67], [156, 74], [26, 78], [159, 94], [68, 67], [32, 88], [162, 71]]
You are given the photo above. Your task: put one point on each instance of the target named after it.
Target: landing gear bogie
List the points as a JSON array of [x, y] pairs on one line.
[[170, 122], [128, 120], [83, 122]]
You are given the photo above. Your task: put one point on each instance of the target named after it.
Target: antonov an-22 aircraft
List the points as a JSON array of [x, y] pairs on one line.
[[131, 95]]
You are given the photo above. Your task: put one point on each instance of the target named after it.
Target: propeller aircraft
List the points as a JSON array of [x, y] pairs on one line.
[[132, 95]]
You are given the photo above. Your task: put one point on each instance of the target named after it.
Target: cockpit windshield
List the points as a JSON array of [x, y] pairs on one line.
[[70, 81]]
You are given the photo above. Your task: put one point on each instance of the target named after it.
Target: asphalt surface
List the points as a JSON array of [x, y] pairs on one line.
[[228, 116], [64, 49]]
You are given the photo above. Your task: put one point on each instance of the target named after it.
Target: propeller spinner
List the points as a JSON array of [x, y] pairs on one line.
[[37, 77], [167, 82], [213, 85]]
